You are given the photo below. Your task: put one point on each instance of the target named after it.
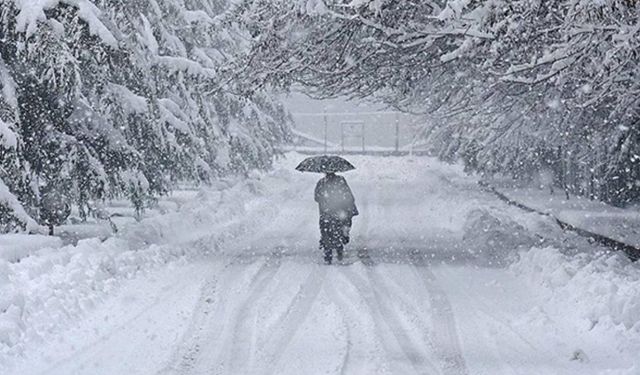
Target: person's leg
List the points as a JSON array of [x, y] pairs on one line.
[[325, 239], [336, 237], [340, 251], [346, 228]]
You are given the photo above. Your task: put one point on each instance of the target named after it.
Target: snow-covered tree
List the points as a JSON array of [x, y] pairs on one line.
[[511, 86], [14, 172], [107, 98]]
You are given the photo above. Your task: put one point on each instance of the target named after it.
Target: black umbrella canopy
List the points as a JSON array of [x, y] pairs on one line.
[[325, 164]]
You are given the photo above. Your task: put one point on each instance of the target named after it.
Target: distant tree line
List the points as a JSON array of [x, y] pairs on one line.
[[514, 87], [112, 98]]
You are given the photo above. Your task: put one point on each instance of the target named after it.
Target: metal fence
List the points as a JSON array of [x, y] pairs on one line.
[[355, 132]]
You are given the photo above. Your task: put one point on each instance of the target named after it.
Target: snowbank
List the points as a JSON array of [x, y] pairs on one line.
[[599, 292], [57, 285], [597, 288], [14, 247], [494, 237]]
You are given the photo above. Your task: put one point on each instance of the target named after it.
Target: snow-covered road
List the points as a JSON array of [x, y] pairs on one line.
[[413, 296]]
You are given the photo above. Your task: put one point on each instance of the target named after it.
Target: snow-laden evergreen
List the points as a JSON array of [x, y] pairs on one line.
[[511, 86], [107, 98]]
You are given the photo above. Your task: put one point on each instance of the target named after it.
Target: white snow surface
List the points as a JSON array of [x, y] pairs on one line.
[[14, 247], [439, 278]]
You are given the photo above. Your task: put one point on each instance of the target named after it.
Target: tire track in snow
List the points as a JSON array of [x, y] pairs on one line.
[[187, 352], [352, 320], [293, 318], [384, 316], [157, 301], [185, 359], [240, 354], [340, 303], [485, 314], [445, 332], [209, 318]]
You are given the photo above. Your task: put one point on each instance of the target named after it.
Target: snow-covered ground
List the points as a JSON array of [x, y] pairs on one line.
[[440, 278]]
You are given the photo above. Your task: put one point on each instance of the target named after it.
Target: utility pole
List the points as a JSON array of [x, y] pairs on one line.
[[342, 136], [397, 133], [363, 137], [325, 131]]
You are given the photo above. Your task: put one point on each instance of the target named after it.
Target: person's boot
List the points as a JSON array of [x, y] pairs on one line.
[[345, 234], [328, 255], [340, 254]]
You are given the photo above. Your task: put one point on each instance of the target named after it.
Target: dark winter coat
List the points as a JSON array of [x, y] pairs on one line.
[[334, 197]]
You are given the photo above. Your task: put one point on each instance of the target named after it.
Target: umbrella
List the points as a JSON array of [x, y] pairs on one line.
[[324, 164]]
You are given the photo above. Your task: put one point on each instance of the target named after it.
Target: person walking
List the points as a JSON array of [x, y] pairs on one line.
[[337, 208]]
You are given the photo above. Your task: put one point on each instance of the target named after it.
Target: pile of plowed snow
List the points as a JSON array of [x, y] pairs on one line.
[[599, 293], [600, 289], [494, 237], [577, 284]]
